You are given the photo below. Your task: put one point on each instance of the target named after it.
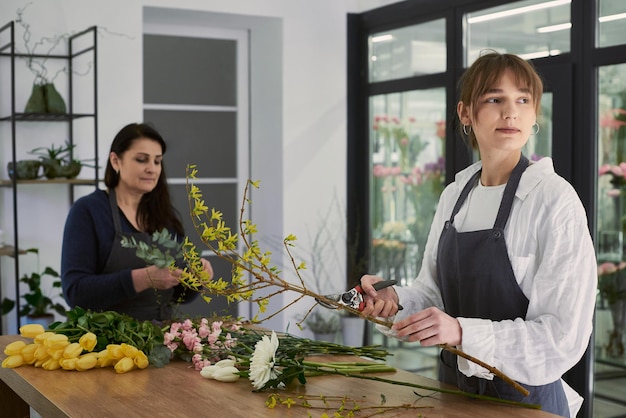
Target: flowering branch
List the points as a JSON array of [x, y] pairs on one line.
[[256, 264], [272, 365], [341, 404], [442, 390], [224, 243]]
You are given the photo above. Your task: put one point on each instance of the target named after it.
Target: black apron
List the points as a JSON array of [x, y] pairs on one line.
[[150, 304], [476, 280]]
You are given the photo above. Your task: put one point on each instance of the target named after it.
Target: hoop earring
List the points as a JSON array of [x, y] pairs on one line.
[[536, 130], [465, 128]]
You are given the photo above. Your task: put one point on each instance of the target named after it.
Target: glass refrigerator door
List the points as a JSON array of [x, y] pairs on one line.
[[407, 177], [611, 305]]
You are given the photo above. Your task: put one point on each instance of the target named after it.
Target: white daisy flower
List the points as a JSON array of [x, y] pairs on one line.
[[262, 362]]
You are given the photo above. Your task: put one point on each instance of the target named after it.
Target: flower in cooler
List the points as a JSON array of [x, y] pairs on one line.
[[263, 361]]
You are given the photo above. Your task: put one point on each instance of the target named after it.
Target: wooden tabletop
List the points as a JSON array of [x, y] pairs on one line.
[[179, 391]]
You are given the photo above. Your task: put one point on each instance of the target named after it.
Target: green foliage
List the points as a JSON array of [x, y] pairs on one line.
[[53, 153], [6, 306], [36, 302], [112, 327], [326, 322], [58, 161], [152, 253], [612, 286]]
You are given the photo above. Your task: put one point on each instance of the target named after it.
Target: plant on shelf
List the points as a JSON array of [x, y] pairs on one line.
[[37, 304], [58, 162], [44, 97], [612, 288], [24, 169], [326, 264], [324, 324], [36, 54]]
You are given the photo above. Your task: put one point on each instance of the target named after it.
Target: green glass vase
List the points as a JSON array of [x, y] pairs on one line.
[[37, 101], [54, 101]]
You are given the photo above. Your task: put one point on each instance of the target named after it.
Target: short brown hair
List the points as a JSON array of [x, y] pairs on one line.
[[487, 70]]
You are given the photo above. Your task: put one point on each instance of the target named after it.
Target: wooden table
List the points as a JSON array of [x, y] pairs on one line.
[[179, 391]]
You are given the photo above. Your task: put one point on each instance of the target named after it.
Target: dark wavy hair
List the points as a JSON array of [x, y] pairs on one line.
[[487, 71], [155, 210]]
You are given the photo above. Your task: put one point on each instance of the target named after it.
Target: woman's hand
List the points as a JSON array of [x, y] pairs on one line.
[[380, 303], [162, 278], [156, 278], [206, 266], [430, 327]]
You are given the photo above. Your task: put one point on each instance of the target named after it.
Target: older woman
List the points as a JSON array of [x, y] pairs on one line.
[[97, 272]]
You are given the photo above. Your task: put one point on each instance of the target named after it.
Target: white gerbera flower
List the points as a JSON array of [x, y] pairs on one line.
[[262, 362]]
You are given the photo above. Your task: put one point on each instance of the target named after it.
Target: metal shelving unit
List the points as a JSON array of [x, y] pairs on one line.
[[76, 49]]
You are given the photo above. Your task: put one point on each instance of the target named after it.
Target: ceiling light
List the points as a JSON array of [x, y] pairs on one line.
[[382, 38], [540, 54], [517, 11], [554, 28], [564, 26], [610, 18]]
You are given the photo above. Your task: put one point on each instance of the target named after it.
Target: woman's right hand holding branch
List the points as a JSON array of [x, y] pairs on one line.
[[156, 278], [378, 303]]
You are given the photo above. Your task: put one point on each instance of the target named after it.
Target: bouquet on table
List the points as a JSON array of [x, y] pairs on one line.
[[87, 340], [225, 350]]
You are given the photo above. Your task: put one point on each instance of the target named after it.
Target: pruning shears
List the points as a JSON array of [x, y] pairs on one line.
[[353, 298]]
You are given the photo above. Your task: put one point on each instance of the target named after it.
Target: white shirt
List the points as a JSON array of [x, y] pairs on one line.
[[554, 262], [483, 203]]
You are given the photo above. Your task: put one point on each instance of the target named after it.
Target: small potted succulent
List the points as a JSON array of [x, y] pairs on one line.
[[323, 324], [24, 169], [57, 161]]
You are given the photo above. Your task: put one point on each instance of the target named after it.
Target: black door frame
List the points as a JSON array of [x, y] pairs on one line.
[[574, 155]]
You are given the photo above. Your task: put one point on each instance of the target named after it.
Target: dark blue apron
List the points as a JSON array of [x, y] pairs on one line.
[[476, 280], [150, 304]]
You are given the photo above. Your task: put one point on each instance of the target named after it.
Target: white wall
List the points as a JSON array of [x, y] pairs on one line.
[[313, 112]]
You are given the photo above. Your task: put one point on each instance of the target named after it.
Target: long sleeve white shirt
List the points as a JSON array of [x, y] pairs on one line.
[[554, 262]]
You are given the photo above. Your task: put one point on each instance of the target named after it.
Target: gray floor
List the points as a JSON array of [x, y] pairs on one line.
[[423, 361], [610, 384]]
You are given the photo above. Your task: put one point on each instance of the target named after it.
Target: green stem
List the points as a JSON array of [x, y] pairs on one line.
[[350, 367], [435, 389]]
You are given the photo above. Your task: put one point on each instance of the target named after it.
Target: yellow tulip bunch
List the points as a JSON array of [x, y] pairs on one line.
[[52, 351]]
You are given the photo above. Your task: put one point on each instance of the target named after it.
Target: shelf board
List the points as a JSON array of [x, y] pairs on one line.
[[9, 250], [46, 117], [86, 182]]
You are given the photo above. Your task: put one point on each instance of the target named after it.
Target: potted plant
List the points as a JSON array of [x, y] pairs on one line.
[[57, 161], [24, 169], [38, 306], [612, 289], [323, 324], [324, 261]]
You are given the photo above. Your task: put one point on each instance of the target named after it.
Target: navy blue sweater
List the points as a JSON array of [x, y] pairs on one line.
[[87, 241]]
